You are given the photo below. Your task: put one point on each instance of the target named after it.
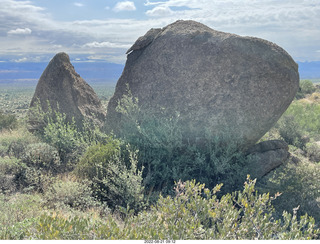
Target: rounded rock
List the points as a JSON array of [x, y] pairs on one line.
[[218, 82]]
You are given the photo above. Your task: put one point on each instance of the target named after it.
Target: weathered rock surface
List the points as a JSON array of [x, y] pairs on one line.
[[66, 91], [218, 82], [266, 156], [145, 40]]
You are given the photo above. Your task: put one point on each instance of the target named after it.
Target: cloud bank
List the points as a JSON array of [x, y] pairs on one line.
[[29, 31], [20, 31], [160, 11], [124, 6]]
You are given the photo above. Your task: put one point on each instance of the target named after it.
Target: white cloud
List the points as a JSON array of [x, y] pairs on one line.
[[124, 6], [8, 71], [13, 13], [21, 60], [159, 11], [19, 31], [78, 4], [292, 24], [148, 3], [106, 45]]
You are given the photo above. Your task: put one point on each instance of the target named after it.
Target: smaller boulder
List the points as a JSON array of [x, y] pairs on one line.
[[266, 156], [67, 92]]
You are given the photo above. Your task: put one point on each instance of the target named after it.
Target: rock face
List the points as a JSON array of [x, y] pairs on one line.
[[68, 92], [217, 82], [266, 156]]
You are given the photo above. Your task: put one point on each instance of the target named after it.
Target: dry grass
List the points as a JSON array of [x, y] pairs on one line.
[[312, 98]]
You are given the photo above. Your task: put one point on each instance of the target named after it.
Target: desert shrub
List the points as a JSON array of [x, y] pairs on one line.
[[70, 193], [71, 140], [306, 117], [30, 179], [290, 131], [8, 168], [195, 213], [41, 156], [33, 171], [7, 121], [300, 122], [168, 157], [305, 87], [313, 98], [16, 175], [64, 136], [59, 227], [299, 185], [18, 214], [8, 165], [113, 181], [313, 152], [37, 167], [17, 149], [13, 143]]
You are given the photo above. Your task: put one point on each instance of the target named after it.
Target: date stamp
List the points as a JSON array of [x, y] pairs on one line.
[[159, 241]]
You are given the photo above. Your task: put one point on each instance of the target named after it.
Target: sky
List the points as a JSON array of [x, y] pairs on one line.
[[103, 30]]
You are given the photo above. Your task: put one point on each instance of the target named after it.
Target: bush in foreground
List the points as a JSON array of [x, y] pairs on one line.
[[299, 184], [305, 87], [194, 213], [7, 121], [168, 156], [112, 180], [70, 193]]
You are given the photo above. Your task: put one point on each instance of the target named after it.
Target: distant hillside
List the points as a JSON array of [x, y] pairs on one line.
[[31, 72], [102, 71]]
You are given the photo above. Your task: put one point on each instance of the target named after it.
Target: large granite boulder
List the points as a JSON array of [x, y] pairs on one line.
[[67, 92], [217, 82]]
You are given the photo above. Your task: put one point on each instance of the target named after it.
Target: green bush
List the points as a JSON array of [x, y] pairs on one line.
[[18, 214], [195, 213], [167, 157], [113, 181], [59, 227], [291, 131], [7, 121], [70, 193], [300, 122], [41, 156], [17, 149], [33, 172], [306, 117], [16, 175], [313, 152], [31, 179], [305, 87], [299, 185], [65, 137], [13, 143], [8, 168], [70, 139]]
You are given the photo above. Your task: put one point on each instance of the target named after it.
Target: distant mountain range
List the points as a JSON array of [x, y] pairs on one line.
[[309, 70], [103, 72], [31, 72]]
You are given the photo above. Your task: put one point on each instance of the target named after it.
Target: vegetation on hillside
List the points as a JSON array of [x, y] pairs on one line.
[[69, 183]]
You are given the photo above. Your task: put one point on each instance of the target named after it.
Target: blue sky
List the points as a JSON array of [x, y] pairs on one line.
[[102, 30]]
